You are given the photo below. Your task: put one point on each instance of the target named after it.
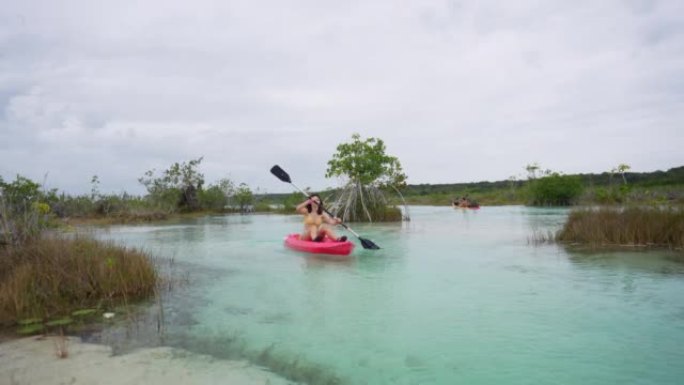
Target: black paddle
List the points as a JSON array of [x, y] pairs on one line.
[[282, 175]]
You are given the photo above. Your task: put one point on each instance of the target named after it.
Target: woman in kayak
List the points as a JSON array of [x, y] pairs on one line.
[[461, 202], [315, 220]]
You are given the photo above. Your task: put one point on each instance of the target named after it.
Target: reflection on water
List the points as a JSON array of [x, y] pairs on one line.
[[639, 262], [454, 296]]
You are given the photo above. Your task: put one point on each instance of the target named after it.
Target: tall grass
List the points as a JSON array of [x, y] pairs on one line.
[[51, 277], [637, 226]]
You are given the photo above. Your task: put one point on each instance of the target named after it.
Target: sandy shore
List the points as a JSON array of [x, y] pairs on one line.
[[34, 361]]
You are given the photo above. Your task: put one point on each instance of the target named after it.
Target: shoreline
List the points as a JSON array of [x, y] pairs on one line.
[[34, 360]]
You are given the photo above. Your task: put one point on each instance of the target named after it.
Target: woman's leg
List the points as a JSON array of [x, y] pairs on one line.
[[328, 232], [321, 233]]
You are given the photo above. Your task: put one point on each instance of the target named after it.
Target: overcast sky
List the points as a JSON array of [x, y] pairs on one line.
[[459, 91]]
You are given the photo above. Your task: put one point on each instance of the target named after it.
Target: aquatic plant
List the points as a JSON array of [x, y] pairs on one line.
[[539, 238], [635, 226], [233, 347], [293, 368]]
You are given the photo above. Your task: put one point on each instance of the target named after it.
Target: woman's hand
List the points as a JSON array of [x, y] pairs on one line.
[[337, 220], [300, 207]]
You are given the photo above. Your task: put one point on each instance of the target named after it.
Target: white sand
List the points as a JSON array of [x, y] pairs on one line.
[[34, 361]]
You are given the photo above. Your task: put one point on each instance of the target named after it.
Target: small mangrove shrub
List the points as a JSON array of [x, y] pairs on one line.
[[369, 172], [55, 277], [365, 204], [628, 226]]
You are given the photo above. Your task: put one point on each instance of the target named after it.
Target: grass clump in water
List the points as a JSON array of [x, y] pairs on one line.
[[293, 368], [539, 238], [50, 278], [633, 226]]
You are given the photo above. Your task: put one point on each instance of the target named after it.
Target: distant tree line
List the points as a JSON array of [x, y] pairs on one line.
[[545, 187], [673, 176]]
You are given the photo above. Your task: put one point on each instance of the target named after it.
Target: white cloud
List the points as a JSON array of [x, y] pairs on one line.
[[459, 91]]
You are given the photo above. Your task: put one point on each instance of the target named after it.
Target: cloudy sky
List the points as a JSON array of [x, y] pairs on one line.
[[458, 90]]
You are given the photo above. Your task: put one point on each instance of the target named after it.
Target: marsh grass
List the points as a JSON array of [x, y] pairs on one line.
[[632, 226], [53, 277]]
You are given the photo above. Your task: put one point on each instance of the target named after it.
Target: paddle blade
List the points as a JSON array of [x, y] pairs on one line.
[[280, 174], [368, 244]]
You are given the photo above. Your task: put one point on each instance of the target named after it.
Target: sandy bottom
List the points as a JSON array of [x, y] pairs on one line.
[[34, 361]]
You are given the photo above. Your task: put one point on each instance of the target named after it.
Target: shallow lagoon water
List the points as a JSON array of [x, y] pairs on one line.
[[454, 296]]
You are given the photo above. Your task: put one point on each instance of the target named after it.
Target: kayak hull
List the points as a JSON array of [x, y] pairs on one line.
[[327, 246]]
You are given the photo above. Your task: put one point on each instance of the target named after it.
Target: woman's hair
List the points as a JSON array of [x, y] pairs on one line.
[[320, 206]]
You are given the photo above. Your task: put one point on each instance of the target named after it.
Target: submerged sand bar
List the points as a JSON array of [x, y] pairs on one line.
[[33, 360]]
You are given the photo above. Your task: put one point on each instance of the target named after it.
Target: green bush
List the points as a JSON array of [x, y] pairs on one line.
[[213, 198], [243, 198], [555, 190], [23, 211], [612, 194]]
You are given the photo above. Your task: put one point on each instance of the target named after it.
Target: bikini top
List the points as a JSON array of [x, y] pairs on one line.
[[313, 220]]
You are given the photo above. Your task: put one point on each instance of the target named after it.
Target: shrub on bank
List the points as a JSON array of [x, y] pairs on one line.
[[22, 213], [555, 190], [52, 277], [390, 214], [629, 226]]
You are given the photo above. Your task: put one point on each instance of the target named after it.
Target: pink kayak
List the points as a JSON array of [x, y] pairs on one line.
[[327, 246]]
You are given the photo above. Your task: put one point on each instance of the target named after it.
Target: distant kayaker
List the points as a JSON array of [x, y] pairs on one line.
[[316, 220], [462, 202]]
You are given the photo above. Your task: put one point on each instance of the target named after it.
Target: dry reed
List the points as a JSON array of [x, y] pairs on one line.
[[632, 226]]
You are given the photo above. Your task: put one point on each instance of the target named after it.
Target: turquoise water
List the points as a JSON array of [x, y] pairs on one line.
[[453, 297]]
